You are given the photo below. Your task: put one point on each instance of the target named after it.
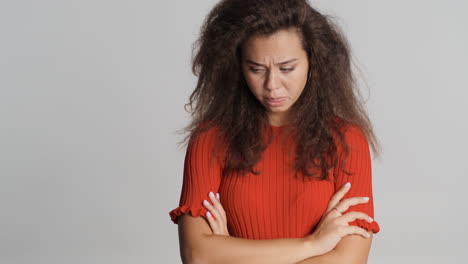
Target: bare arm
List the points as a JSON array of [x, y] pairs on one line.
[[352, 249], [198, 244]]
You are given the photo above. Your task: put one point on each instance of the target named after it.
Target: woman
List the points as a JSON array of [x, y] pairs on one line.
[[277, 131]]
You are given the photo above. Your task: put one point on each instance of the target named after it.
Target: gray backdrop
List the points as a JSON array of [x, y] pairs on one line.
[[92, 92]]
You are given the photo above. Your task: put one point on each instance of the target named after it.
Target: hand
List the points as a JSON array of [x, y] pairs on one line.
[[216, 215], [333, 226]]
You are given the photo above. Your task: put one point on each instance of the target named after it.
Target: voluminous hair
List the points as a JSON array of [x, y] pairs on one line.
[[330, 99]]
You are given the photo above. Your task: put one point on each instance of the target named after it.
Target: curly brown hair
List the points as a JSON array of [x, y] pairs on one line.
[[222, 99]]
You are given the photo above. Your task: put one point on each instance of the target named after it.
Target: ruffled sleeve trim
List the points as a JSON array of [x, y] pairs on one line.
[[374, 226], [192, 210]]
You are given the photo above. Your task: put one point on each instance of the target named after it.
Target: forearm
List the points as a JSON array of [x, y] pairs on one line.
[[332, 257], [227, 249]]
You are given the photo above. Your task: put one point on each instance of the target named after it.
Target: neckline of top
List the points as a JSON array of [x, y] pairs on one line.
[[277, 127]]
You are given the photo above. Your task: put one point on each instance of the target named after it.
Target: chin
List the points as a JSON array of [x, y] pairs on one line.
[[277, 110]]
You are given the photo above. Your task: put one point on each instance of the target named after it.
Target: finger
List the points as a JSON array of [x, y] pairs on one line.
[[212, 209], [337, 211], [221, 219], [336, 198], [346, 203], [350, 230], [353, 215], [332, 214], [217, 204], [219, 226], [212, 222], [226, 231]]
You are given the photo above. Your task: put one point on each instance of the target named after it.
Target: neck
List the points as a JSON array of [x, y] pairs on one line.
[[277, 119]]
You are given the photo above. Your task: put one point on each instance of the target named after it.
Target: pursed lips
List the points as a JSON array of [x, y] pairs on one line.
[[274, 99]]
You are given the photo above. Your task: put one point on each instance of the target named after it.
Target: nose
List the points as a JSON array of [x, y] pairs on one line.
[[272, 81]]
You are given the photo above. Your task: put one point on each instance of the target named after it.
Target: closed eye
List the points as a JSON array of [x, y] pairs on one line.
[[254, 70], [282, 69]]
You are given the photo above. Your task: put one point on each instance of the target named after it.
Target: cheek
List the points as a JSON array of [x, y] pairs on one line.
[[297, 84], [300, 76], [254, 85]]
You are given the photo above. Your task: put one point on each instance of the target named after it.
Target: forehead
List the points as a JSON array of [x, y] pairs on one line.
[[283, 43]]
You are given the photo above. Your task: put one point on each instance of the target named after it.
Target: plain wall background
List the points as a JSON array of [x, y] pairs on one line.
[[92, 93]]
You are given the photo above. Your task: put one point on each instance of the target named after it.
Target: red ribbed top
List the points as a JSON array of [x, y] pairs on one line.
[[273, 204]]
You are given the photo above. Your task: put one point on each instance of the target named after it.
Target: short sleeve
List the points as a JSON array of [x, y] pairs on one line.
[[201, 175], [359, 166]]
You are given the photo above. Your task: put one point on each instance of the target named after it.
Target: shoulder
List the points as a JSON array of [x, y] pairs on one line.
[[353, 151], [206, 143], [352, 136], [347, 128], [205, 134]]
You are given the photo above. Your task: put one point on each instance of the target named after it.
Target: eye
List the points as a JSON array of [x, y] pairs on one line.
[[255, 69], [287, 69]]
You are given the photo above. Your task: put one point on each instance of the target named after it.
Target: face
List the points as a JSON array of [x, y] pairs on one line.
[[275, 68]]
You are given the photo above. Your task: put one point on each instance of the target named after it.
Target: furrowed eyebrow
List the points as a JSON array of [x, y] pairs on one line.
[[279, 63]]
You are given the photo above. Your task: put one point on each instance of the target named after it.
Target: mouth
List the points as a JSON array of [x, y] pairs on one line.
[[274, 98], [275, 101]]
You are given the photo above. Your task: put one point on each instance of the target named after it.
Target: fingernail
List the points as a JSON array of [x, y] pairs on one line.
[[205, 202], [347, 184], [367, 235], [366, 198], [208, 214], [371, 220], [212, 195], [217, 195]]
